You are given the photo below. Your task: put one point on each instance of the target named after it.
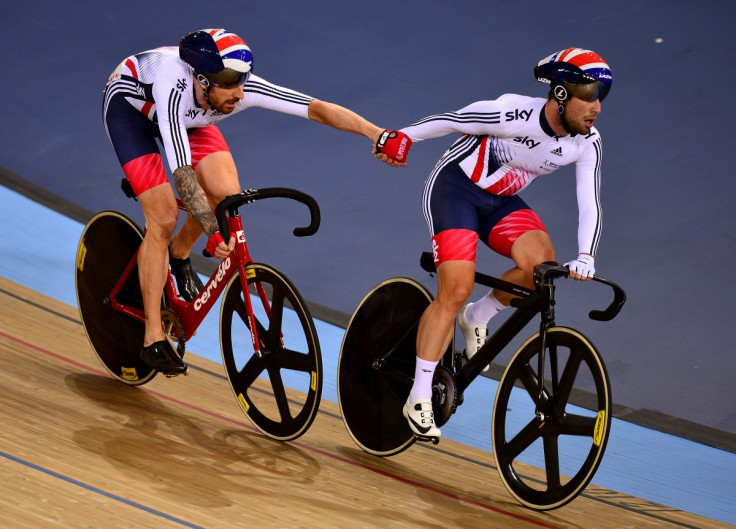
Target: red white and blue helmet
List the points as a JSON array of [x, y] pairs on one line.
[[218, 57], [575, 72]]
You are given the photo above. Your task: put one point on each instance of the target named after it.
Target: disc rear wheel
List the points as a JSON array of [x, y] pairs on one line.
[[376, 365], [109, 242]]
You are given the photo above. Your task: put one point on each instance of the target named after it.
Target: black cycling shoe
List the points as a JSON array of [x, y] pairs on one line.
[[161, 357], [187, 280]]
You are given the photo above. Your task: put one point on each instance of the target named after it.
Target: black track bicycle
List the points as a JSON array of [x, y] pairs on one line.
[[533, 411]]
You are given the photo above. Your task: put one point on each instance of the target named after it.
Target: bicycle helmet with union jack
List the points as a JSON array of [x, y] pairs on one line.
[[217, 57], [575, 72]]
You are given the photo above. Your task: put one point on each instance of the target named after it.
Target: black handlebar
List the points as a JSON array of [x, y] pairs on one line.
[[232, 202], [547, 271], [619, 298]]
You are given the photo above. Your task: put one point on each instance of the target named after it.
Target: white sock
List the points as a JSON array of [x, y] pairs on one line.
[[484, 309], [423, 373]]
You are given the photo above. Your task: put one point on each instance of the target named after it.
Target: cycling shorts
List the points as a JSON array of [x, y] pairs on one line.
[[134, 136], [458, 212]]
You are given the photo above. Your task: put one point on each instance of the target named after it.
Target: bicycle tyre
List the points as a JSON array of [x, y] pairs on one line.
[[567, 431], [291, 354], [372, 397], [108, 242]]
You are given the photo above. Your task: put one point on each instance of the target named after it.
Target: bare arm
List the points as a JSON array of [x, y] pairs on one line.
[[342, 118], [194, 198]]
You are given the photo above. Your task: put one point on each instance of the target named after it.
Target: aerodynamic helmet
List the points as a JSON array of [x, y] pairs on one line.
[[575, 72], [217, 57]]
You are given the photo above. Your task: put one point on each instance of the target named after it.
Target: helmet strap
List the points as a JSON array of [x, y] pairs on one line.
[[561, 106], [205, 83]]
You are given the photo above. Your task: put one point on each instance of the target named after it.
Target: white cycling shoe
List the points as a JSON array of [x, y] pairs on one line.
[[475, 335], [420, 416]]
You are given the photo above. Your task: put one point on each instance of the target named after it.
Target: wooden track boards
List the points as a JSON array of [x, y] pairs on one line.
[[82, 450]]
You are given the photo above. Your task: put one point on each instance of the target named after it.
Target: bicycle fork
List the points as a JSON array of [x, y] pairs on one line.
[[548, 320]]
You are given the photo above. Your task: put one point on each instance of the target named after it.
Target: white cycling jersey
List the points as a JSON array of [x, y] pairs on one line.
[[507, 143], [160, 85]]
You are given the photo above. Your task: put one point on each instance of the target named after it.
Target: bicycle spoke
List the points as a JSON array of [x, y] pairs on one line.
[[529, 379], [522, 440], [294, 360], [250, 372], [279, 393], [567, 381], [552, 462], [577, 425]]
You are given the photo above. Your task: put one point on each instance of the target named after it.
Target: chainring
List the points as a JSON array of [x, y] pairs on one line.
[[444, 395]]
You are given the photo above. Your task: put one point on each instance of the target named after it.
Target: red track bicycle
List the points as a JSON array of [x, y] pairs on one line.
[[267, 333]]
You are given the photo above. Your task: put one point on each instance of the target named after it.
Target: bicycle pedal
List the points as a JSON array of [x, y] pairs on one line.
[[427, 439], [173, 375]]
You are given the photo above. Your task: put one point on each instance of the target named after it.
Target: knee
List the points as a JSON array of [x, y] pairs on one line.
[[531, 249], [162, 227], [454, 296]]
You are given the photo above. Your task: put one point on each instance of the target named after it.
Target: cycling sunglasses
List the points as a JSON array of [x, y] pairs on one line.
[[227, 78], [589, 91]]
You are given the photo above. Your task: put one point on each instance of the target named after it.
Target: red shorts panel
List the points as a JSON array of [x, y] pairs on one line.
[[205, 141], [147, 171], [504, 234], [454, 245]]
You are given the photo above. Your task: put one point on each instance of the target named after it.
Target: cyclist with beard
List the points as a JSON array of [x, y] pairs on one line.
[[177, 96]]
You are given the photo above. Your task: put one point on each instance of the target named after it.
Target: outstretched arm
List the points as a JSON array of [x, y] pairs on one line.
[[342, 118], [346, 120]]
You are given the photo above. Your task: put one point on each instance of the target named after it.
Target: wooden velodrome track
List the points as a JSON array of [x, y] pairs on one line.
[[82, 450]]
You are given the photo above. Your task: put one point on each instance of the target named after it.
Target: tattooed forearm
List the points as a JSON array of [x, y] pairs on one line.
[[194, 198]]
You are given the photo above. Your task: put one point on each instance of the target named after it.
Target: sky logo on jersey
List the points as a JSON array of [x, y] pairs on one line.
[[513, 115], [526, 140]]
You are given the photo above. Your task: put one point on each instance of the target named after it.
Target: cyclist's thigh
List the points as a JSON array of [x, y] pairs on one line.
[[502, 226], [213, 163], [458, 212], [451, 211], [133, 137], [531, 248], [160, 210]]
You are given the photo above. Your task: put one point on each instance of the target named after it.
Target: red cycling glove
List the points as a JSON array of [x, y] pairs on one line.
[[213, 242], [394, 144]]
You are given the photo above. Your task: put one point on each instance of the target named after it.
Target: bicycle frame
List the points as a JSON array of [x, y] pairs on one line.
[[191, 314], [528, 304]]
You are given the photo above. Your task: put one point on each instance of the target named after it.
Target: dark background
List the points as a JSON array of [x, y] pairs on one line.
[[669, 233]]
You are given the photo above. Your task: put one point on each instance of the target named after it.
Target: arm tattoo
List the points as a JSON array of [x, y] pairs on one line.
[[194, 198]]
